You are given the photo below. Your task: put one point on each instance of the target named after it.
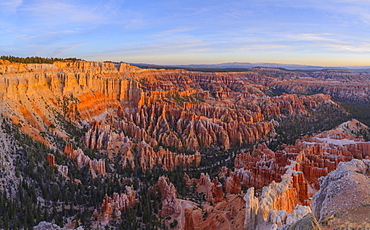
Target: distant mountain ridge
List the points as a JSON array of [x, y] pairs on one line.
[[252, 65], [246, 65]]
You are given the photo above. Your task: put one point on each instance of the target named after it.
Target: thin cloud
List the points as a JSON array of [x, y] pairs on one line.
[[238, 13], [357, 48], [269, 47], [187, 47], [56, 12], [51, 50], [10, 6], [166, 33], [311, 37], [351, 10], [62, 49]]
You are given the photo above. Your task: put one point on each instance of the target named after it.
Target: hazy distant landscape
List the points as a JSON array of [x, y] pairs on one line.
[[246, 65]]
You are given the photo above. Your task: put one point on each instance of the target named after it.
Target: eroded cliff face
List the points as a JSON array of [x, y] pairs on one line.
[[125, 107], [317, 156], [116, 119], [310, 159], [283, 182]]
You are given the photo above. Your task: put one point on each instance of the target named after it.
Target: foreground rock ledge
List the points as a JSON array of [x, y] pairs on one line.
[[344, 198]]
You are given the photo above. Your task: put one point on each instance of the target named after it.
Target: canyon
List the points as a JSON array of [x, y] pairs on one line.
[[179, 149]]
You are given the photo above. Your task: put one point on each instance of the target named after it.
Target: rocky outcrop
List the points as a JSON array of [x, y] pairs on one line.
[[168, 124], [165, 158], [96, 166], [276, 201], [170, 204], [189, 222], [105, 137], [79, 89], [212, 189], [322, 153], [177, 210], [344, 196], [261, 167], [311, 158], [233, 115], [51, 160], [49, 226], [113, 206], [308, 222], [152, 115], [297, 214], [233, 184], [62, 169]]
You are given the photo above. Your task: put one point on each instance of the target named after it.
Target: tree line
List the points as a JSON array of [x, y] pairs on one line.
[[36, 59]]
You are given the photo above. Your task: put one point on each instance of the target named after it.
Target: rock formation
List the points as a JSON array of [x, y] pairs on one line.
[[233, 184], [317, 156], [62, 169], [170, 204], [212, 189], [311, 158], [308, 222], [96, 166], [189, 222], [344, 196], [276, 201], [261, 167], [51, 160], [152, 110], [112, 206], [165, 158]]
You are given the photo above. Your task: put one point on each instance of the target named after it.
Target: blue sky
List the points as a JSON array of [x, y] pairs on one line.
[[314, 32]]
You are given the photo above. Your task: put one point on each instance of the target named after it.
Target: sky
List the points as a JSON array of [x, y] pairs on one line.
[[310, 32]]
